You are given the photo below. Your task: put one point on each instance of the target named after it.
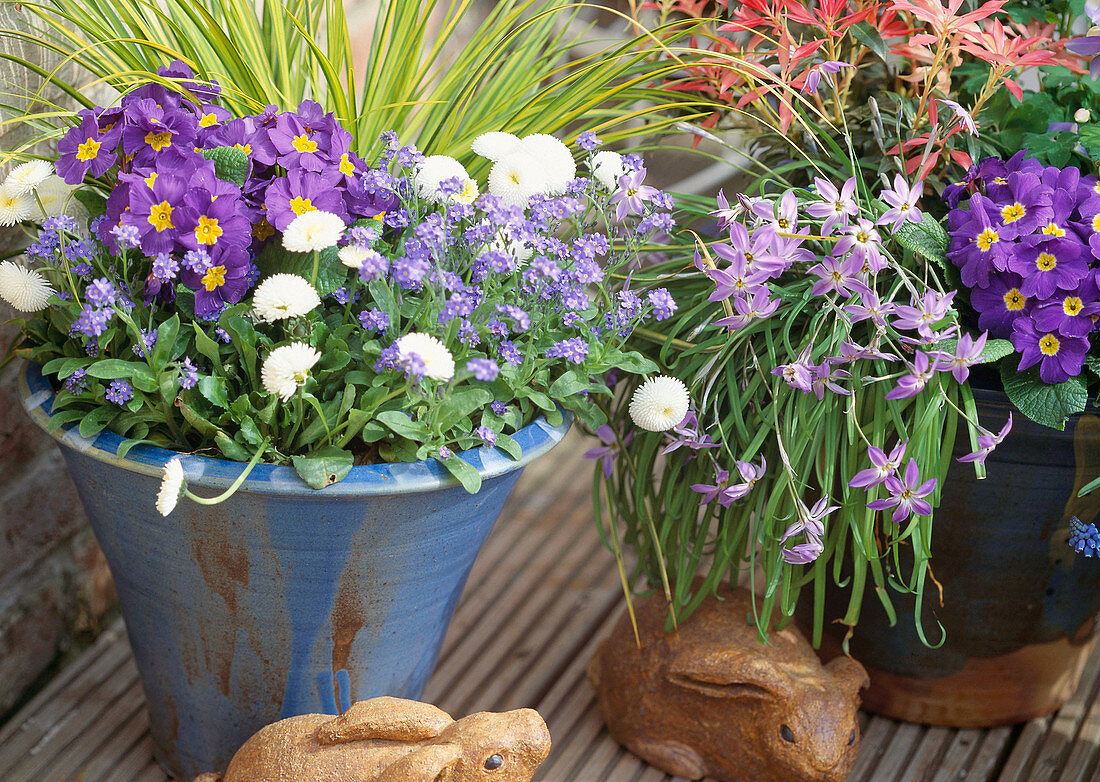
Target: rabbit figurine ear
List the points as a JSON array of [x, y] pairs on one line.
[[728, 673], [395, 719], [433, 763], [849, 671]]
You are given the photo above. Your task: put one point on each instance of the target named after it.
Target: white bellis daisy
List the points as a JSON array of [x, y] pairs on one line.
[[283, 296], [516, 177], [659, 403], [27, 176], [287, 367], [607, 167], [25, 289], [171, 486], [434, 170], [14, 207], [556, 160], [439, 364], [51, 197], [313, 231], [495, 145]]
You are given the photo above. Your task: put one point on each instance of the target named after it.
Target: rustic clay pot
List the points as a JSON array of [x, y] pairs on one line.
[[710, 700], [1019, 607], [282, 600]]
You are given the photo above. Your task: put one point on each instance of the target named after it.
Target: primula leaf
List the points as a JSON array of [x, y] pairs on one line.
[[995, 349], [331, 274], [466, 473], [324, 466], [1046, 404], [459, 405], [926, 238], [230, 164]]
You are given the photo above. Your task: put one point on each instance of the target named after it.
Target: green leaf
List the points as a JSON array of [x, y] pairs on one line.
[[400, 423], [459, 405], [213, 388], [207, 346], [96, 421], [1044, 403], [204, 427], [324, 466], [635, 363], [869, 37], [568, 384], [331, 273], [115, 368], [230, 164], [466, 473], [92, 200], [509, 446], [166, 341], [995, 349], [926, 238], [383, 297], [231, 448]]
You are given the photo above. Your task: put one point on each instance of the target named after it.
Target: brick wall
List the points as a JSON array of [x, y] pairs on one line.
[[55, 589]]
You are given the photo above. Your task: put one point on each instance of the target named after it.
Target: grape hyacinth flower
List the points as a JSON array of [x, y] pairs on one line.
[[1083, 538], [906, 494]]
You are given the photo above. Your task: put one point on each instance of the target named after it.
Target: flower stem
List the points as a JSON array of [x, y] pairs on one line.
[[225, 495]]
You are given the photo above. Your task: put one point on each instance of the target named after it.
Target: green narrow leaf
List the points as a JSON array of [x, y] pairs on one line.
[[166, 341], [509, 446], [207, 346], [324, 466], [1045, 404], [926, 238], [465, 472], [231, 448]]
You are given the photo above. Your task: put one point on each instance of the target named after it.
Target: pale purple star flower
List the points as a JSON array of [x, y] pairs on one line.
[[921, 315], [912, 384], [967, 353], [803, 553], [850, 351], [781, 217], [885, 465], [963, 115], [715, 490], [835, 206], [609, 451], [747, 309], [870, 308], [797, 374], [726, 214], [862, 241], [903, 203], [811, 522], [686, 435], [826, 377], [750, 474], [838, 275], [987, 442], [906, 494], [813, 75], [631, 196]]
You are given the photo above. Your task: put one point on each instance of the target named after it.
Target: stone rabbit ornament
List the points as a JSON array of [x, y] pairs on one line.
[[710, 700], [393, 740]]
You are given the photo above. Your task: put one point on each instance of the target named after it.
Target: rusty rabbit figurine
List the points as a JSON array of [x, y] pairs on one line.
[[393, 740], [710, 700]]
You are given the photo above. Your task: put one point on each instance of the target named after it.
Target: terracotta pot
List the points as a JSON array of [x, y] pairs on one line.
[[1019, 607]]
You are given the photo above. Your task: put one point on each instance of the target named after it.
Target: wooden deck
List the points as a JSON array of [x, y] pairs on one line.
[[541, 596]]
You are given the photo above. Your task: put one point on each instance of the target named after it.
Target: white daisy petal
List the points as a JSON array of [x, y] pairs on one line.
[[556, 160], [434, 170], [495, 145], [287, 368], [51, 197], [27, 176], [607, 167], [660, 403], [312, 231], [283, 296], [15, 207], [171, 486], [439, 364], [517, 177], [25, 289]]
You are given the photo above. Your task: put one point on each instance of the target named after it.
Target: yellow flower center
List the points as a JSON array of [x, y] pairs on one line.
[[987, 239], [301, 205], [208, 230], [214, 277], [262, 230], [88, 150], [158, 141], [304, 143], [1014, 300], [160, 216], [1096, 223], [1002, 181], [1053, 229], [863, 237], [782, 223], [208, 120], [347, 168], [1072, 305], [1013, 212], [149, 180], [245, 148], [1045, 262], [1049, 345]]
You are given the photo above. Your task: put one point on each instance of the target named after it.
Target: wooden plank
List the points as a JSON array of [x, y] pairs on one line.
[[1055, 750], [78, 754], [874, 739], [101, 767], [1083, 757], [926, 757], [962, 747], [1024, 748], [899, 751], [994, 750]]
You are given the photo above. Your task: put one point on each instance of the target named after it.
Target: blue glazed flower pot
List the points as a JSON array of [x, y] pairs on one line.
[[283, 600]]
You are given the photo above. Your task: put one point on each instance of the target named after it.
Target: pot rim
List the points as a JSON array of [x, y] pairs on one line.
[[535, 439]]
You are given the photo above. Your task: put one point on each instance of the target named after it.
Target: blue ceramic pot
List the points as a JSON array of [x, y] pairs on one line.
[[283, 600]]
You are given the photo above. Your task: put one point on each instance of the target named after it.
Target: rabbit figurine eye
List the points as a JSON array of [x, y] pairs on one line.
[[786, 733], [852, 738], [493, 762]]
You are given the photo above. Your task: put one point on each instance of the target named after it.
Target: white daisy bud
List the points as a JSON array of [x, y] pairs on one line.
[[287, 367], [27, 176], [283, 296], [607, 167], [353, 255], [516, 177], [15, 207], [25, 289], [495, 145], [312, 231], [1082, 115], [556, 159], [659, 403], [171, 486], [51, 197], [439, 364]]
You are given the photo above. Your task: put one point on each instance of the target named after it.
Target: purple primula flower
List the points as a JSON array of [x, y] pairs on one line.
[[1024, 205], [749, 307], [631, 196], [837, 207], [90, 146], [885, 465], [964, 117], [987, 442], [1059, 357], [189, 374], [839, 275], [1087, 46], [484, 369], [155, 211], [224, 282], [302, 191], [976, 246], [906, 494], [1000, 304], [1070, 312], [813, 75], [1048, 264], [903, 203], [609, 451], [912, 384], [968, 351], [120, 392], [213, 222]]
